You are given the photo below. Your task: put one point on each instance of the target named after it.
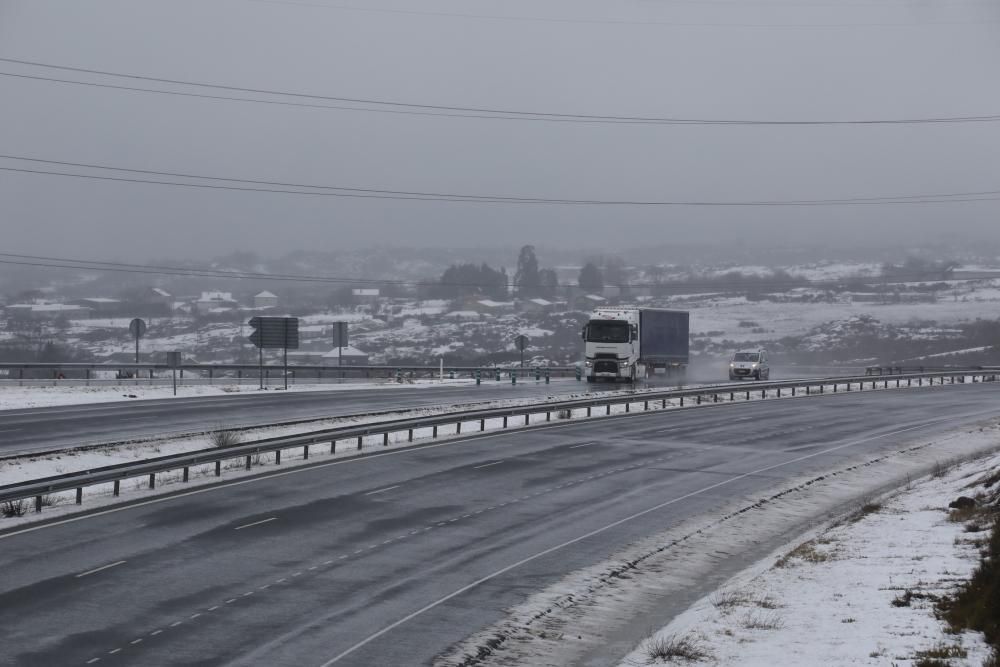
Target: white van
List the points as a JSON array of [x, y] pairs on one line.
[[749, 364]]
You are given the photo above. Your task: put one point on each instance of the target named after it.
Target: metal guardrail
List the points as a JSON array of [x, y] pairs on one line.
[[16, 371], [355, 436], [907, 370]]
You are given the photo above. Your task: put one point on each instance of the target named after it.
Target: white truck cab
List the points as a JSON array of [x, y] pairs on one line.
[[631, 343], [749, 364]]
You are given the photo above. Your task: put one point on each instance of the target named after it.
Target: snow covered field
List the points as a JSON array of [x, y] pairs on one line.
[[830, 603], [858, 593]]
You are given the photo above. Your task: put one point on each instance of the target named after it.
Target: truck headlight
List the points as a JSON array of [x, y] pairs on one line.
[[588, 364], [623, 364]]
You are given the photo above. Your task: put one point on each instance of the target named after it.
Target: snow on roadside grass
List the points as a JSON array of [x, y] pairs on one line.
[[74, 392], [598, 613], [858, 593]]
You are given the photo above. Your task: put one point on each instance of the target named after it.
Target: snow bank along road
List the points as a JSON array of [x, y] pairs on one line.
[[390, 559], [45, 429]]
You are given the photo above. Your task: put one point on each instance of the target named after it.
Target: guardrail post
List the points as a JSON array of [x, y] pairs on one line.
[[505, 421], [361, 440], [645, 406], [305, 452], [434, 432], [763, 393], [118, 488], [527, 418], [793, 391], [807, 390], [697, 399], [608, 411], [458, 428], [748, 394], [628, 406], [513, 377], [664, 405], [732, 396], [548, 415], [248, 462], [779, 392], [187, 474], [152, 480], [277, 457], [79, 495], [482, 424], [682, 401], [333, 446], [38, 504], [715, 398], [588, 411]]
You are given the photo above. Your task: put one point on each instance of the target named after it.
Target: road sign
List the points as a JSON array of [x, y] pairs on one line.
[[340, 334], [173, 359], [137, 328], [521, 342], [275, 332]]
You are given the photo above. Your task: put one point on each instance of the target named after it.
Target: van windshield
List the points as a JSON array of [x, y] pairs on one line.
[[746, 356], [607, 331]]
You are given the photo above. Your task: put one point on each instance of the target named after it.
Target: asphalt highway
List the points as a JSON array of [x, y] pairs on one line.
[[390, 559], [44, 429]]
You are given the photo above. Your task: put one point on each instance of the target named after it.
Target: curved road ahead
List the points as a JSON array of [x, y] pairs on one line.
[[390, 559], [43, 429]]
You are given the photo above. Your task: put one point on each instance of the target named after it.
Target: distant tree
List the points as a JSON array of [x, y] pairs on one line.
[[614, 270], [591, 278], [343, 296], [548, 283], [527, 277], [467, 280]]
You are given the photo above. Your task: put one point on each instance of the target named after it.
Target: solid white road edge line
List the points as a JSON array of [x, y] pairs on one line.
[[605, 528], [98, 569]]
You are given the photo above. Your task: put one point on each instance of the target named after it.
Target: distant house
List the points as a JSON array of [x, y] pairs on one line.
[[589, 301], [265, 300], [490, 306], [351, 356], [537, 306], [47, 311], [159, 296], [100, 305], [366, 296], [214, 302], [462, 315]]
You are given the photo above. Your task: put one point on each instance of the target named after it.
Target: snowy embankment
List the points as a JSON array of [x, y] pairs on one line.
[[52, 393], [860, 592], [716, 581]]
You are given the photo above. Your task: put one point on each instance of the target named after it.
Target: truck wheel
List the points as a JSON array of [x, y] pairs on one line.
[[756, 376], [590, 380]]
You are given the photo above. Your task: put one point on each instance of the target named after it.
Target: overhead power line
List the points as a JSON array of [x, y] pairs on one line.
[[482, 112], [304, 189], [751, 282]]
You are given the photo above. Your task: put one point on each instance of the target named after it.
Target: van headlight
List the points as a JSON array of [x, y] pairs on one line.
[[732, 365], [754, 366]]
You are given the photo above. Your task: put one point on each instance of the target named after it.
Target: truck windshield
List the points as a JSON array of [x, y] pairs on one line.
[[745, 356], [607, 331]]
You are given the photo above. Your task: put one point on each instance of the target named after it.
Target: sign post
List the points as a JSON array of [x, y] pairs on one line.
[[274, 333], [174, 359], [521, 342], [137, 328], [340, 342]]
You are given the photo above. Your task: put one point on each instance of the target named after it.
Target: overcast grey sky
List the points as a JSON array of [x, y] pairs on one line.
[[812, 59]]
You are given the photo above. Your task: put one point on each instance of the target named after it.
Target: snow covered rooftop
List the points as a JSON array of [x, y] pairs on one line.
[[265, 295], [344, 351]]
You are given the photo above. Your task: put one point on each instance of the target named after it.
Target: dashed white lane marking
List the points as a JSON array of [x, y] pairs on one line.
[[194, 616], [342, 557], [585, 444], [175, 624], [248, 594], [136, 641], [256, 523], [98, 569], [93, 660], [230, 600], [114, 650], [297, 574], [264, 587], [487, 465], [282, 580], [313, 567], [388, 488], [155, 632]]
